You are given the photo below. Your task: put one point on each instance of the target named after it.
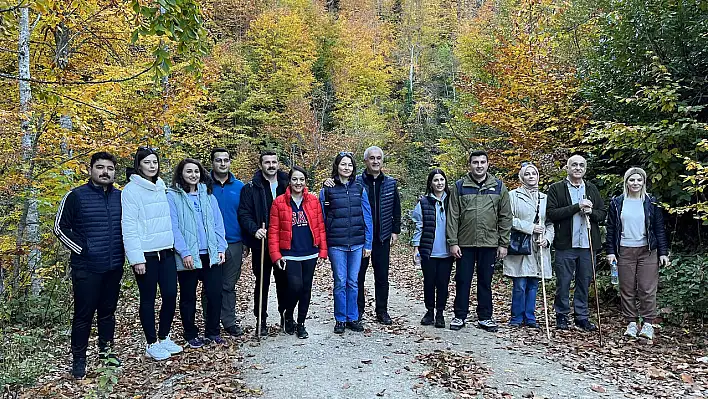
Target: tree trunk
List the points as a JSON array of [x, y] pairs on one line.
[[28, 234]]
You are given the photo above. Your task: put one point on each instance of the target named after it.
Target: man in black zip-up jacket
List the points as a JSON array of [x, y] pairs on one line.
[[88, 222], [253, 210], [386, 214]]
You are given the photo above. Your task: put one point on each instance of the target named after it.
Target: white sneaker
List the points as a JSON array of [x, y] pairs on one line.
[[647, 331], [631, 330], [171, 347], [156, 351]]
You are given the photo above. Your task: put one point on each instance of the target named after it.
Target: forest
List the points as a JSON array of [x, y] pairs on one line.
[[623, 82]]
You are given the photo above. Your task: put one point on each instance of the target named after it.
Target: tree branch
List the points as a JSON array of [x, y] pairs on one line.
[[72, 83]]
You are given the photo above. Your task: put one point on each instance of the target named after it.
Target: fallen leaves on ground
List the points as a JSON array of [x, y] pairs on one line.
[[458, 372]]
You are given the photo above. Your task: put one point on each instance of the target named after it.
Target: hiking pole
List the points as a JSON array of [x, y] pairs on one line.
[[594, 276], [543, 288], [260, 289]]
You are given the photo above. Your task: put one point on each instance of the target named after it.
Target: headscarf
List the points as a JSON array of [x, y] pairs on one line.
[[524, 166]]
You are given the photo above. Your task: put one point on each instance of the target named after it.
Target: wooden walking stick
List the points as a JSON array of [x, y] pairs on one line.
[[260, 290], [594, 276], [543, 288]]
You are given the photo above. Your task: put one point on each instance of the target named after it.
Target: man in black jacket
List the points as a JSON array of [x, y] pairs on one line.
[[254, 210], [571, 203], [386, 214], [88, 222]]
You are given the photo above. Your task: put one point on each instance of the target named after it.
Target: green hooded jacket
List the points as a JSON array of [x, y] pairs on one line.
[[480, 216]]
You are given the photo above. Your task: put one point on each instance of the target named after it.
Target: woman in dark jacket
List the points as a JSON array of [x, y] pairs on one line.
[[296, 239], [636, 241], [430, 249], [349, 230]]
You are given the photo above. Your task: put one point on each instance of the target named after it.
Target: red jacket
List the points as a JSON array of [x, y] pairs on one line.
[[280, 229]]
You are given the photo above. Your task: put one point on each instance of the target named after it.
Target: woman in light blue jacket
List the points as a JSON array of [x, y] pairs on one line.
[[200, 242], [148, 242]]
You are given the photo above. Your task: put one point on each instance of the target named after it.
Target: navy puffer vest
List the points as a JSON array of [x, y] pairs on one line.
[[384, 208], [344, 215], [427, 206], [100, 222]]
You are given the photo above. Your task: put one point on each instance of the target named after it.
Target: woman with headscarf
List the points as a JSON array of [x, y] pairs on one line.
[[528, 205], [148, 242], [430, 249], [636, 241]]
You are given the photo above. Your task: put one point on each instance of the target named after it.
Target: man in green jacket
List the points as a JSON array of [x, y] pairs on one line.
[[478, 229], [571, 203]]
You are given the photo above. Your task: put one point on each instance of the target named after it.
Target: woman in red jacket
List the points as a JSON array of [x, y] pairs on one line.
[[296, 239]]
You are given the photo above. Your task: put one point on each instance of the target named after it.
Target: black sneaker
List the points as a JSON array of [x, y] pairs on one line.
[[301, 332], [355, 326], [289, 326], [339, 327], [234, 331], [488, 325], [384, 318], [439, 319], [78, 368], [531, 324], [428, 319], [585, 325], [561, 322]]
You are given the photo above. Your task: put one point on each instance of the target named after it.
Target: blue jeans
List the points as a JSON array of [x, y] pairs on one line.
[[345, 267], [523, 300]]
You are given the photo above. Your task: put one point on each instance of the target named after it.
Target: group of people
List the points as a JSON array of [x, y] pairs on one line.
[[477, 221], [204, 225]]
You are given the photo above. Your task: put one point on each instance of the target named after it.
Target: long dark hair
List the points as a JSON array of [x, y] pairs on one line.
[[140, 154], [431, 175], [178, 180], [337, 160]]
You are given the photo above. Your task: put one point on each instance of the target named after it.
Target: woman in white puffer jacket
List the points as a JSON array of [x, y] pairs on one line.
[[148, 242]]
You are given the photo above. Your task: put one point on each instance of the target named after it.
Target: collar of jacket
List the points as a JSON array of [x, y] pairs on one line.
[[489, 181], [201, 189], [440, 200], [230, 180], [259, 179], [147, 184], [96, 187], [366, 176], [524, 194], [305, 193]]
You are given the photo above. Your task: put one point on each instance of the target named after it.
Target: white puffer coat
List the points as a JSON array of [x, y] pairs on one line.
[[523, 207], [146, 218]]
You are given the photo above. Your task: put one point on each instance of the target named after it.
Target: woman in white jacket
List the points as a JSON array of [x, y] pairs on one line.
[[528, 205], [148, 241]]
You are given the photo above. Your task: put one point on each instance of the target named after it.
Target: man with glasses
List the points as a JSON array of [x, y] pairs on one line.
[[571, 203], [253, 212], [478, 232], [227, 190]]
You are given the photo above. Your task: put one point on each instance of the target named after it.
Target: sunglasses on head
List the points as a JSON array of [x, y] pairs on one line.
[[525, 164], [345, 154], [151, 150]]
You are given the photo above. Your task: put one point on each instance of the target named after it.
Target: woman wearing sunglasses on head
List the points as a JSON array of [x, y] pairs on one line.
[[349, 230], [148, 242], [200, 243], [430, 249], [296, 239]]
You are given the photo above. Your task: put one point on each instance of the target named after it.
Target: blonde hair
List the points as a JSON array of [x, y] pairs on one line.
[[635, 171]]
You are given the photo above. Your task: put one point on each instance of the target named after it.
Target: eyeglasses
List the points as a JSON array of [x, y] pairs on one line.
[[346, 154]]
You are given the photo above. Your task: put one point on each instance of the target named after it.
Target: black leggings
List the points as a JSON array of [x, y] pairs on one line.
[[159, 271], [436, 277], [300, 275], [211, 284]]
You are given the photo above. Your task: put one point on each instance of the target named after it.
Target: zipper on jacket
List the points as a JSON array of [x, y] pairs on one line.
[[110, 224], [377, 210], [349, 218]]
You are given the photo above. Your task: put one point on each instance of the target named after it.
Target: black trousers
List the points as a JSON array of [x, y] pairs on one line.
[[380, 259], [436, 277], [211, 279], [484, 259], [281, 282], [300, 275], [159, 271], [94, 293]]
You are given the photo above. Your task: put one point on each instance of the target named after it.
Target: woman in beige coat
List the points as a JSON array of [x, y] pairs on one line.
[[528, 206]]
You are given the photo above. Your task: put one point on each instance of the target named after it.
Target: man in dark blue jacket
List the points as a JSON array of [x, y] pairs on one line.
[[386, 214], [227, 190], [253, 211], [88, 222]]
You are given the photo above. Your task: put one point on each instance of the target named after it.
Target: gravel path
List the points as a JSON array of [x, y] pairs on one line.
[[381, 362]]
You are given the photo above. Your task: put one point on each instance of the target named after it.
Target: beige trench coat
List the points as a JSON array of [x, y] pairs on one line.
[[523, 207]]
